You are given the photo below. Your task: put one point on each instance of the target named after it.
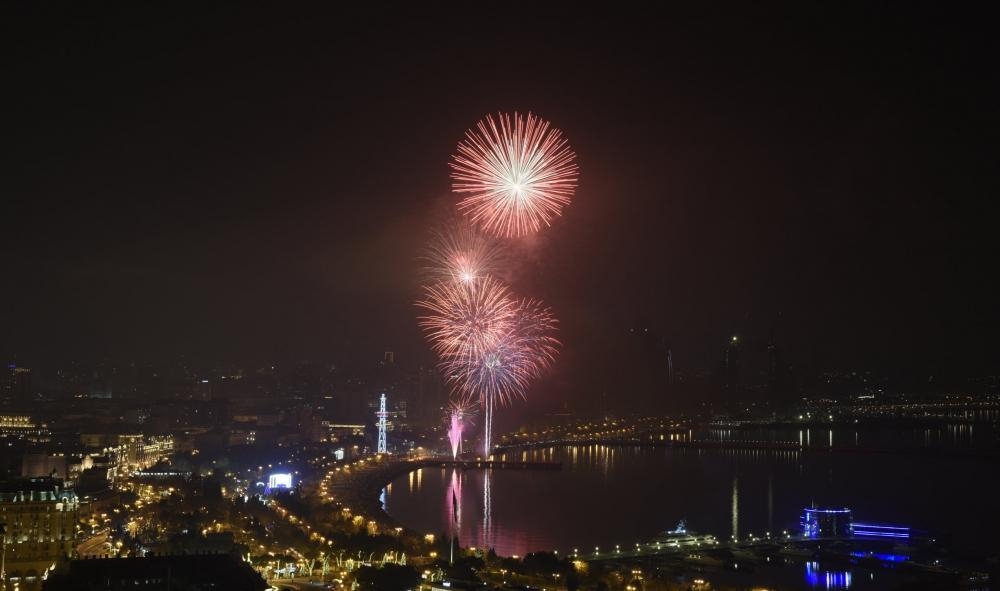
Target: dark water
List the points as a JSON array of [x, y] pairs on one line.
[[605, 496]]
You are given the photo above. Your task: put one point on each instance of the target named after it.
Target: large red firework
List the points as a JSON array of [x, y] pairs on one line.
[[516, 174]]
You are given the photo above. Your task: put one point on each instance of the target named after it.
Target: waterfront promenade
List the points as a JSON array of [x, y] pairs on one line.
[[748, 445]]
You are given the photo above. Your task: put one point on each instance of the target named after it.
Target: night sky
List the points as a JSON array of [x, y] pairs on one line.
[[234, 185]]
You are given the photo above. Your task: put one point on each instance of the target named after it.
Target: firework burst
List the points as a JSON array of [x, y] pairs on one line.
[[503, 368], [460, 253], [462, 407], [457, 415], [465, 319], [490, 345], [516, 174]]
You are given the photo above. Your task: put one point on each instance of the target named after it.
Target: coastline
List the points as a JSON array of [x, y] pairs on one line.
[[360, 491]]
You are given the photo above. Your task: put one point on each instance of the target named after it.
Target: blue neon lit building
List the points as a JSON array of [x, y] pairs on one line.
[[871, 530], [839, 523], [826, 523]]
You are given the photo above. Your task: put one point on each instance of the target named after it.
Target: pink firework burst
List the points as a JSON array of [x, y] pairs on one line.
[[464, 319], [515, 174], [461, 253], [457, 416], [503, 369]]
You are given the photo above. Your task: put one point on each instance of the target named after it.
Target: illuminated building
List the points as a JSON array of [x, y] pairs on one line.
[[141, 451], [16, 423], [871, 530], [241, 437], [344, 430], [40, 528], [826, 523], [382, 415], [169, 474], [23, 427], [838, 523]]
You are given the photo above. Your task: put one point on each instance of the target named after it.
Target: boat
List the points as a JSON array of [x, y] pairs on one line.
[[681, 537]]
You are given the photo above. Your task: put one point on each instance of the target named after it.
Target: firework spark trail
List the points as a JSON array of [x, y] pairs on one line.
[[517, 174], [456, 417], [455, 434]]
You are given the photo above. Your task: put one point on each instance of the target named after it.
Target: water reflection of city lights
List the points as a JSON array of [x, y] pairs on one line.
[[817, 577]]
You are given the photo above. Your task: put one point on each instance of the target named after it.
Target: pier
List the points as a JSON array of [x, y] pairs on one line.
[[478, 463], [651, 442]]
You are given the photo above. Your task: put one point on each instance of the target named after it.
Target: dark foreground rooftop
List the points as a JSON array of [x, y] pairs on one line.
[[169, 573]]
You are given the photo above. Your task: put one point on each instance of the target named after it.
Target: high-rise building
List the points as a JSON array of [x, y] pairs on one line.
[[44, 465], [731, 365], [18, 383], [775, 370]]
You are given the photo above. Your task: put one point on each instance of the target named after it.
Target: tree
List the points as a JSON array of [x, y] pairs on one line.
[[572, 580], [390, 577], [465, 568], [545, 563]]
